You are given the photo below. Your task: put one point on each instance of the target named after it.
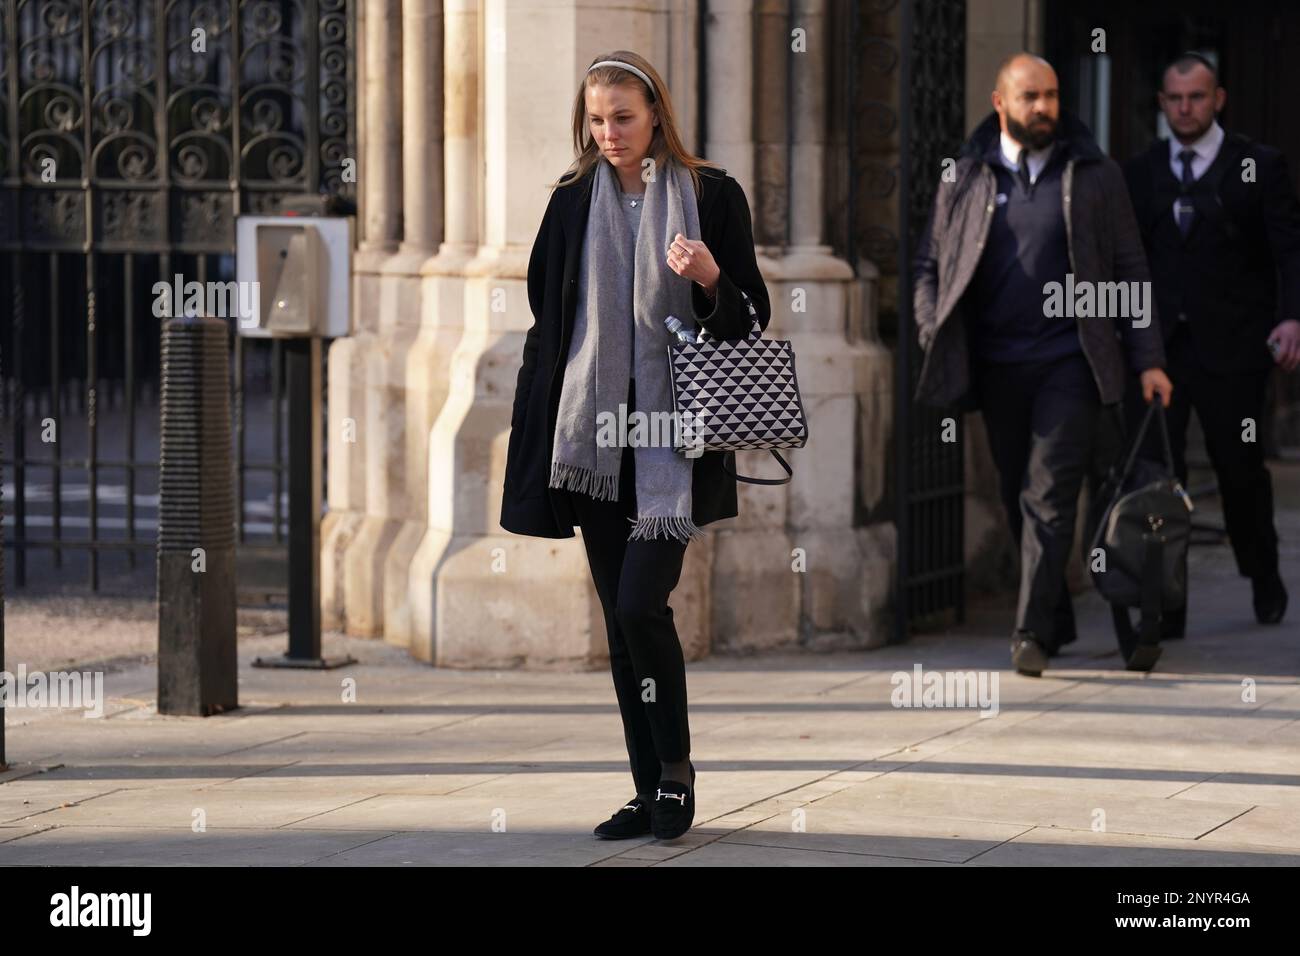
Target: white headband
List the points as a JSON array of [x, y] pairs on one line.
[[630, 68]]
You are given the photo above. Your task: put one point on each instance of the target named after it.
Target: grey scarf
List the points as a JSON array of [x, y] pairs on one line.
[[618, 335]]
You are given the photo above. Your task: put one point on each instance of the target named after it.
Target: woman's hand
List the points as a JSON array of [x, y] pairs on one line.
[[691, 259]]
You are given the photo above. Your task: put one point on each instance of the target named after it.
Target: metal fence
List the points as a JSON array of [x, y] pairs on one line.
[[131, 136], [906, 113]]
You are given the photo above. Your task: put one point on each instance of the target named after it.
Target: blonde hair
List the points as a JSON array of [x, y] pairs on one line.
[[664, 144]]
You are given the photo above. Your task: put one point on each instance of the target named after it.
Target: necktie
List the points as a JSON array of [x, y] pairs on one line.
[[1186, 212], [1022, 166]]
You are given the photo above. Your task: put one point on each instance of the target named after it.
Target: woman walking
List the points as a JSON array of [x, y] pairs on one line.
[[636, 230]]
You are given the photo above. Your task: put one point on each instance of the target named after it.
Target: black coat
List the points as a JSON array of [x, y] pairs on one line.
[[1104, 246], [1224, 276], [528, 505]]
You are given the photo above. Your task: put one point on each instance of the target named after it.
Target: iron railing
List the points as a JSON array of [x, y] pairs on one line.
[[131, 136]]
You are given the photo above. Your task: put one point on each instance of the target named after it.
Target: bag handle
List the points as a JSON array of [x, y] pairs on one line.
[[763, 481], [1156, 409], [755, 330]]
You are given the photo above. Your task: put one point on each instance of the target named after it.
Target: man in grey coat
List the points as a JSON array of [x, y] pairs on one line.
[[1033, 303]]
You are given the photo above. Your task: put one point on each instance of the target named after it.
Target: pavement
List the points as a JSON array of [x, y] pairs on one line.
[[802, 759]]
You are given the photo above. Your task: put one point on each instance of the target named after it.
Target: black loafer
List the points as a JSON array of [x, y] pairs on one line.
[[1269, 596], [673, 811], [1028, 656], [632, 820], [1143, 657]]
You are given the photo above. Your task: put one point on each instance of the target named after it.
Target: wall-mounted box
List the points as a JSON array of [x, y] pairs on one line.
[[302, 266]]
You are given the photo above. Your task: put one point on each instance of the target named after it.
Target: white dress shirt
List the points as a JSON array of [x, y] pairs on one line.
[[1205, 148], [1037, 157]]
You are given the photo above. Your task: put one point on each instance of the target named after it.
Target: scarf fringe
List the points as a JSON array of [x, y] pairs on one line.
[[673, 526], [584, 481]]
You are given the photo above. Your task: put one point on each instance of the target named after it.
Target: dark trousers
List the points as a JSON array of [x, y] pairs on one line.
[[1221, 403], [633, 580], [1041, 418]]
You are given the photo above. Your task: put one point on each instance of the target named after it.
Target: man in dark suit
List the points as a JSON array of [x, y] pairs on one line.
[[1221, 226]]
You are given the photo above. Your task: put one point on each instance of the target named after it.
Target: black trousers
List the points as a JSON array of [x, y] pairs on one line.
[[633, 580], [1041, 419], [1221, 403]]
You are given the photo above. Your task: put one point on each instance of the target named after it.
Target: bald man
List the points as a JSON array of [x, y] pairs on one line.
[[1031, 213]]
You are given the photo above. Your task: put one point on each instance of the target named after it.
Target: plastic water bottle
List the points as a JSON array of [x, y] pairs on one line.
[[675, 326]]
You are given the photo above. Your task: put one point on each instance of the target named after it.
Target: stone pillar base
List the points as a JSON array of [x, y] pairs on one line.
[[755, 591], [337, 531], [847, 587], [504, 601]]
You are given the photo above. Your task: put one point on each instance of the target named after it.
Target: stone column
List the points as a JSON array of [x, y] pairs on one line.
[[379, 184], [806, 572], [443, 286], [771, 126], [462, 166], [380, 175], [808, 76], [395, 444], [729, 76], [422, 136], [451, 52]]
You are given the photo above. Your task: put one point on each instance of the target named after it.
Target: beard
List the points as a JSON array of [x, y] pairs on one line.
[[1195, 132], [1035, 137]]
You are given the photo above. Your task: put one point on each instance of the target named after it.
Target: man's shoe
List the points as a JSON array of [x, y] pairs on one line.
[[633, 820], [673, 811], [1269, 599], [1028, 656], [1143, 658]]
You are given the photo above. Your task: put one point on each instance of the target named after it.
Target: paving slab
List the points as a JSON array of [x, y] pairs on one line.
[[1056, 847]]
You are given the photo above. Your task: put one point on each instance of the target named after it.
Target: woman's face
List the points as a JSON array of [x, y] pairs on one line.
[[621, 122]]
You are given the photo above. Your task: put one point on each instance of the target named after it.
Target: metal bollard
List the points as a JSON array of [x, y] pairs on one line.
[[197, 662]]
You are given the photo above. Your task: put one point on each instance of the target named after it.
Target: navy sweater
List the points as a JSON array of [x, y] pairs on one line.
[[1026, 248]]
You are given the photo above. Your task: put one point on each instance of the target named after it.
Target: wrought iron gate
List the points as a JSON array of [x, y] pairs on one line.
[[132, 132], [909, 63]]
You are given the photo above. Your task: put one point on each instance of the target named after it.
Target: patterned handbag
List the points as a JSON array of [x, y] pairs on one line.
[[735, 395]]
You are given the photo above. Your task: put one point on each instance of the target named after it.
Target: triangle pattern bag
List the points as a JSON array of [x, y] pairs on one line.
[[733, 395]]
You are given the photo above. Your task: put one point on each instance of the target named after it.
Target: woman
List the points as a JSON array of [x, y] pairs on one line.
[[636, 230]]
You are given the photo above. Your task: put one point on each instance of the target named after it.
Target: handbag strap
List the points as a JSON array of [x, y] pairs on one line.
[[789, 473], [1157, 410], [755, 329]]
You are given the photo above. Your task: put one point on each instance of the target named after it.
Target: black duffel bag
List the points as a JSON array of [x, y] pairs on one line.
[[1142, 522]]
